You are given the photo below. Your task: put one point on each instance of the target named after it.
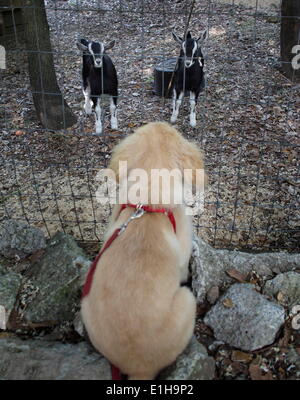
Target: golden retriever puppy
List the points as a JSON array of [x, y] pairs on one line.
[[136, 312]]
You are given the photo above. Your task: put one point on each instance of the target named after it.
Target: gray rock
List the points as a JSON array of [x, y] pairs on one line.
[[37, 360], [56, 280], [17, 239], [245, 319], [193, 363], [288, 285], [209, 265], [9, 286]]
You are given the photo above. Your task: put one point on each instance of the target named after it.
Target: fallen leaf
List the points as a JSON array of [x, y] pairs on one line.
[[237, 275], [202, 308], [239, 368], [256, 373], [35, 256], [283, 342], [5, 335], [280, 297], [254, 278], [114, 132], [228, 303], [238, 355], [44, 324], [281, 373], [19, 133]]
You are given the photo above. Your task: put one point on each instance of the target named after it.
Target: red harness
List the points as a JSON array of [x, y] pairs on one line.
[[139, 211], [149, 209]]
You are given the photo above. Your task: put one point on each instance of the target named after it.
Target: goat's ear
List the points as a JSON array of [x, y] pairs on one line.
[[82, 44], [177, 38], [110, 45], [203, 36]]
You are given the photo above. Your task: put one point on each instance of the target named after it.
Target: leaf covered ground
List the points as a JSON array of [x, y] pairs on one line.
[[247, 121], [248, 128]]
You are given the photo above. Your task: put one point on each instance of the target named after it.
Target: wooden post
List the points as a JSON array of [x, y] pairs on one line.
[[51, 108]]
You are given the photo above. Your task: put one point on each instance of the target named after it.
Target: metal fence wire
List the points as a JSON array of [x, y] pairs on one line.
[[247, 117]]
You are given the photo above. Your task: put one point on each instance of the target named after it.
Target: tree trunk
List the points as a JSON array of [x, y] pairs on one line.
[[290, 39], [51, 108]]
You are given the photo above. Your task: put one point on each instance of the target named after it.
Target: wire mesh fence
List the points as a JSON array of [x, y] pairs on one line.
[[247, 117]]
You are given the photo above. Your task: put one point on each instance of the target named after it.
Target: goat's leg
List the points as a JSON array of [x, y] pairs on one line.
[[173, 104], [87, 99], [193, 109], [113, 112], [98, 117], [177, 99]]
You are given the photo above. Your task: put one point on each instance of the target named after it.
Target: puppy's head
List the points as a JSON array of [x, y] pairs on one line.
[[156, 147]]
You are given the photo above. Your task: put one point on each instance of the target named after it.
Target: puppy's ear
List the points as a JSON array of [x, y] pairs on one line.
[[121, 159], [192, 162], [114, 164]]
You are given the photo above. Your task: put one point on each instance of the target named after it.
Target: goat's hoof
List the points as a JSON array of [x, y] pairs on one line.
[[173, 120], [114, 125], [193, 123], [98, 130], [88, 110]]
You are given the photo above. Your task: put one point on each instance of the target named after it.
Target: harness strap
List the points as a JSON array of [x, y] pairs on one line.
[[89, 278], [116, 374], [149, 209]]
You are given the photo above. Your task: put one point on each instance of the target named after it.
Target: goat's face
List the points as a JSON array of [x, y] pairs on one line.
[[95, 50], [190, 48]]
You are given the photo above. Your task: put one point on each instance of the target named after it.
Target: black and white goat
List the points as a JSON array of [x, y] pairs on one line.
[[189, 75], [99, 78]]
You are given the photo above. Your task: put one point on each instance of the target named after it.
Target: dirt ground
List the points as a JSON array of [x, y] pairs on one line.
[[261, 4], [248, 121], [248, 128]]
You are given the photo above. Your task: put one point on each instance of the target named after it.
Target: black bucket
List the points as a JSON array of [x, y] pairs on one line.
[[163, 73], [162, 76]]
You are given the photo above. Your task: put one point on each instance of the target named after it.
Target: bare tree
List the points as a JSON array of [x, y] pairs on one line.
[[51, 108], [290, 39]]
